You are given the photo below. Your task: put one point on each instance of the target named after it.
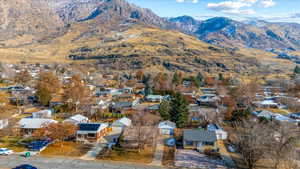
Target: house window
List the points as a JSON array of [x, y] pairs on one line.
[[92, 135], [208, 143], [189, 143]]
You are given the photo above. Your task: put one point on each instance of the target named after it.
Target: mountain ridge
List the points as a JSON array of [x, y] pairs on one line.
[[224, 32], [115, 32]]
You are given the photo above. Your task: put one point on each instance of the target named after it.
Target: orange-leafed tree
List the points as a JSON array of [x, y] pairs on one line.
[[56, 131]]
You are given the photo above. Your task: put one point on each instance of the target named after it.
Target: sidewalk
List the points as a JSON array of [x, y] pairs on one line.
[[159, 152]]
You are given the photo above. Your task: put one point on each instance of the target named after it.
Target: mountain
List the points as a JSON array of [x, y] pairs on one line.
[[26, 19], [29, 21], [262, 35], [121, 36], [186, 24]]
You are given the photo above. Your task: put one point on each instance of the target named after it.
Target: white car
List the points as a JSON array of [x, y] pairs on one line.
[[5, 151]]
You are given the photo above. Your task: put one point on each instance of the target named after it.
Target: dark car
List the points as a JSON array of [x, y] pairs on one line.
[[25, 166]]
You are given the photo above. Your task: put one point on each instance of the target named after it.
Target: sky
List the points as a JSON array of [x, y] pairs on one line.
[[270, 10]]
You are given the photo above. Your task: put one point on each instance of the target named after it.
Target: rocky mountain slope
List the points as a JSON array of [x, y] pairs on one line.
[[262, 35], [122, 36], [27, 20]]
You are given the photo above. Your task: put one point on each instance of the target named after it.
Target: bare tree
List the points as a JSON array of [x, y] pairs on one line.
[[252, 141], [22, 78], [144, 127], [76, 94], [282, 145]]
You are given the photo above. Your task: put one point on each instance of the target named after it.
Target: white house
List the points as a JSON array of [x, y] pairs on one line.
[[3, 123], [42, 114], [265, 114], [76, 119], [166, 128], [123, 123], [29, 125], [154, 98], [220, 133]]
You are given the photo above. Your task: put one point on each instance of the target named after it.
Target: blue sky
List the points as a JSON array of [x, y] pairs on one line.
[[270, 10]]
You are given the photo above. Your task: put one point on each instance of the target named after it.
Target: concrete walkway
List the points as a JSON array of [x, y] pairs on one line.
[[225, 155], [102, 143], [159, 152], [92, 154]]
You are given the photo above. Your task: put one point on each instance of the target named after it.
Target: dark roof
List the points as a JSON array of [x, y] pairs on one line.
[[89, 126], [122, 105], [199, 135]]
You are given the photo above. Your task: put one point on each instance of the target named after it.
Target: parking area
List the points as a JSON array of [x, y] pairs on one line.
[[193, 159]]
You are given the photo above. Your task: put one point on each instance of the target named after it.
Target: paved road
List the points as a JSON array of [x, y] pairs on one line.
[[64, 163]]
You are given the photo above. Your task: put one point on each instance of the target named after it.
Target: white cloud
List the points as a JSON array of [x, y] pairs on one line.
[[244, 7], [267, 3], [182, 1], [227, 5]]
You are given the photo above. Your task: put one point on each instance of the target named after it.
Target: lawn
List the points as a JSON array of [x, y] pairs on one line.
[[70, 149], [120, 154], [12, 143], [168, 157]]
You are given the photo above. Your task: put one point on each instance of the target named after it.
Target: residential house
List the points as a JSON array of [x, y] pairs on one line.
[[267, 104], [132, 134], [264, 114], [220, 133], [285, 119], [199, 139], [118, 107], [154, 98], [76, 119], [166, 128], [295, 116], [208, 99], [29, 125], [43, 114], [91, 131], [122, 123], [3, 123], [128, 90]]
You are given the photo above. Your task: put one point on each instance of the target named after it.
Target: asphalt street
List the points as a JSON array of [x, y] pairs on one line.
[[64, 163]]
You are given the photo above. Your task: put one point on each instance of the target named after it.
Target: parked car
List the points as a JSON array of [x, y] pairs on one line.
[[5, 151], [25, 166]]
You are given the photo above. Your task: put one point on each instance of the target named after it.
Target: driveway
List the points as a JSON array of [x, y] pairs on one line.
[[193, 159], [159, 152], [102, 143], [225, 155], [65, 163]]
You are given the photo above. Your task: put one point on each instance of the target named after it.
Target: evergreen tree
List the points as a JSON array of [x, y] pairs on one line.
[[148, 90], [199, 79], [297, 70], [176, 79], [164, 110], [179, 110]]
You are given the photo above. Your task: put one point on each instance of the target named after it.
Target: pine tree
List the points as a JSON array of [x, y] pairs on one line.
[[297, 70], [148, 89], [176, 79], [164, 110], [179, 110]]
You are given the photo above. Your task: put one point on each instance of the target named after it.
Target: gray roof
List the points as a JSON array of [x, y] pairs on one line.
[[199, 135]]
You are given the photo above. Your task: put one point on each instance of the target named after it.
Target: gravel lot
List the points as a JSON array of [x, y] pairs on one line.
[[193, 159]]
